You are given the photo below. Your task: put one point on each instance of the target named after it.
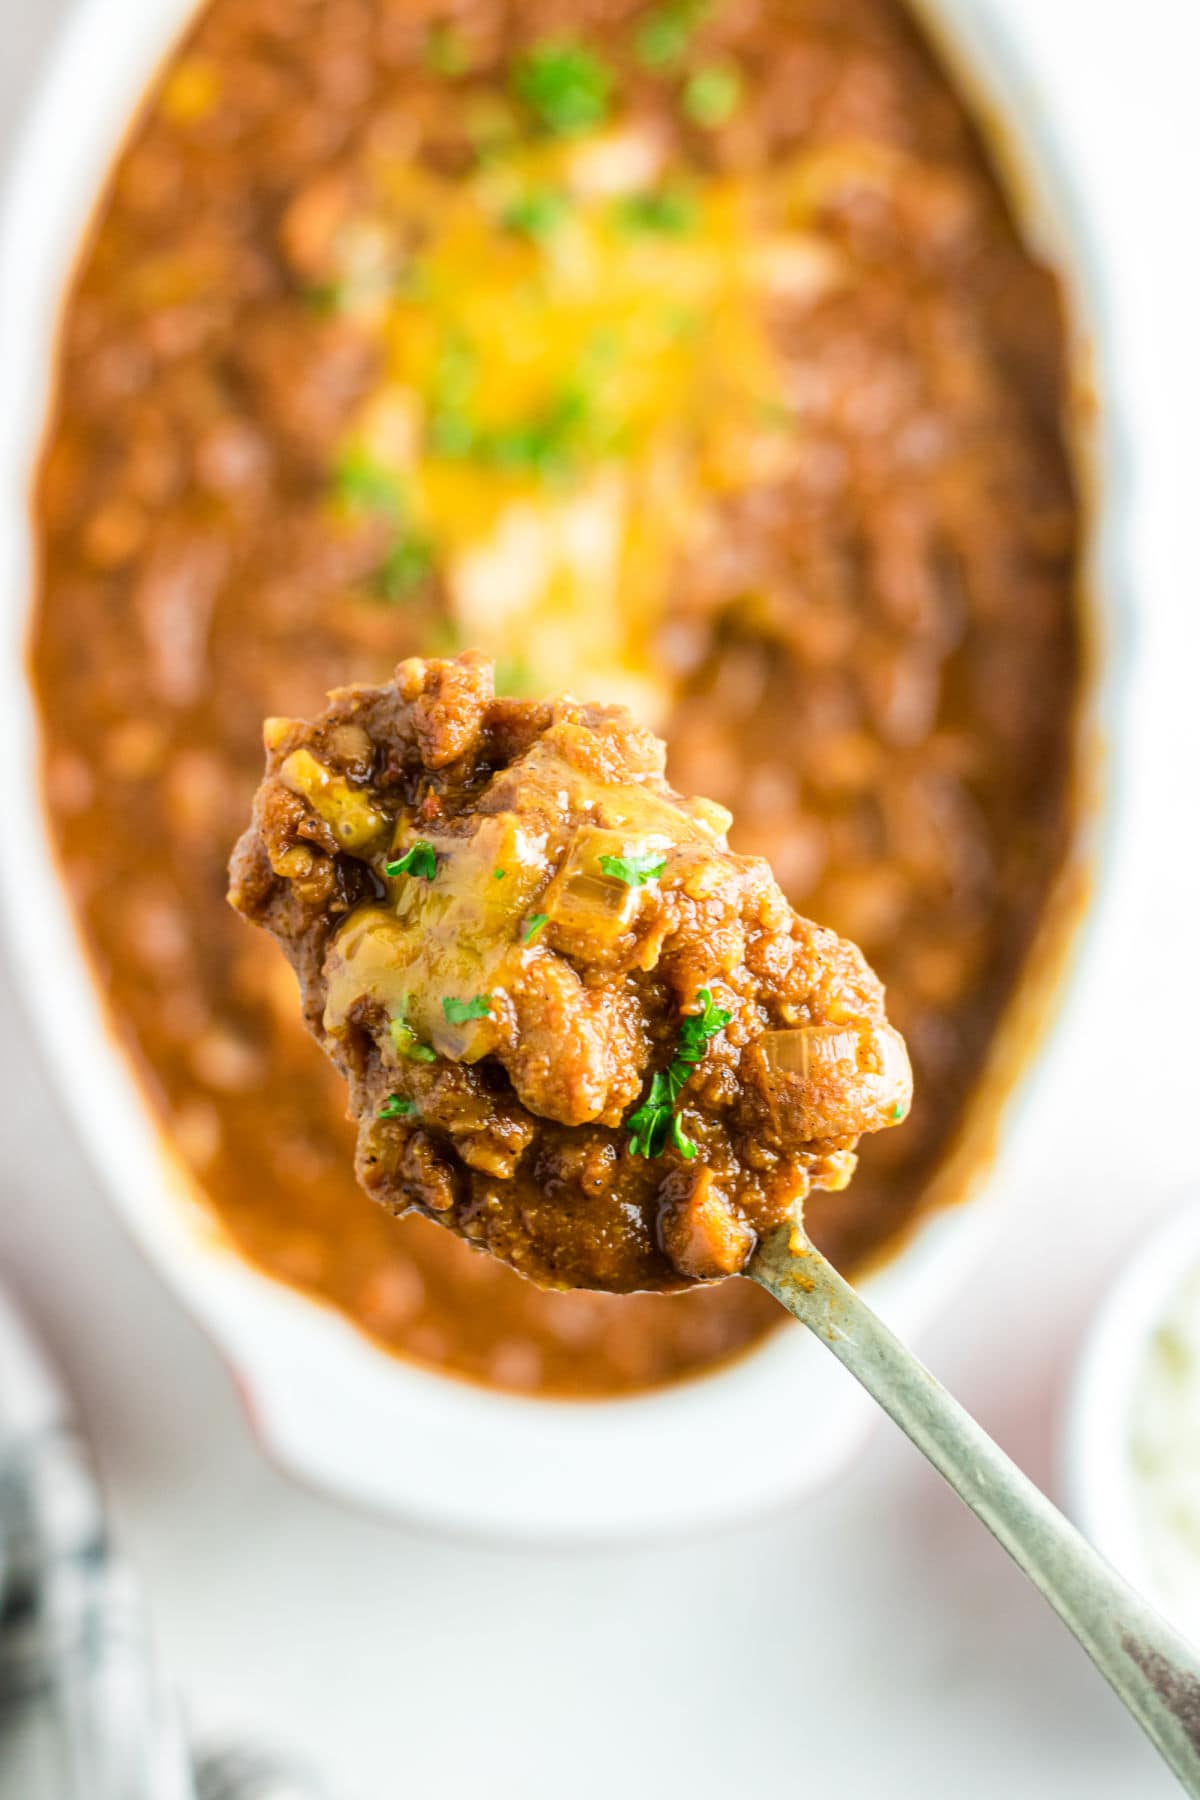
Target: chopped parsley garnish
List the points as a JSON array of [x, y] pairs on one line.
[[547, 445], [405, 1043], [443, 638], [897, 1111], [536, 214], [514, 678], [419, 859], [711, 95], [325, 299], [656, 1123], [407, 564], [663, 35], [696, 1028], [458, 1012], [362, 485], [397, 1107], [535, 925], [445, 52], [451, 433], [565, 86], [499, 874], [452, 423], [666, 211], [635, 870]]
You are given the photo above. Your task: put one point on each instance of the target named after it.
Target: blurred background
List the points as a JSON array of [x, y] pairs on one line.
[[870, 1640]]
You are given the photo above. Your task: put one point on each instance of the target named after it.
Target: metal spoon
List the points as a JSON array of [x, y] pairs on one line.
[[1149, 1666]]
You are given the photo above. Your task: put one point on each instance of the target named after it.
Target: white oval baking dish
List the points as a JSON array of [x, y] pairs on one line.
[[326, 1403]]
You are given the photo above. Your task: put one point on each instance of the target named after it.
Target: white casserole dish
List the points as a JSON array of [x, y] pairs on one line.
[[327, 1404]]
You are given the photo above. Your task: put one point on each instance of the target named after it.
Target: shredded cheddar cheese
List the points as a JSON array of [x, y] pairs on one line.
[[578, 366]]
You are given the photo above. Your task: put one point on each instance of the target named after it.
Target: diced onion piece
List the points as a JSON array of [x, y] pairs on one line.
[[807, 1047], [589, 911], [602, 899], [835, 1081], [588, 914], [715, 819]]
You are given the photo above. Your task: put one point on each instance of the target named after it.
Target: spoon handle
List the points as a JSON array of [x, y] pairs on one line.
[[1153, 1670]]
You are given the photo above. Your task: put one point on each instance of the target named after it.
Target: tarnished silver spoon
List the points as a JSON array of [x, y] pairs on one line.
[[1149, 1666]]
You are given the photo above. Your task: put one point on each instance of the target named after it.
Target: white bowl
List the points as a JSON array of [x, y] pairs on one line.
[[328, 1405], [1099, 1477]]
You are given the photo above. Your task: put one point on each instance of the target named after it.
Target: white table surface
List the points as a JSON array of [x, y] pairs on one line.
[[871, 1642]]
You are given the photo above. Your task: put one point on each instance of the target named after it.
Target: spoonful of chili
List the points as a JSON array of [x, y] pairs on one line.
[[589, 1038]]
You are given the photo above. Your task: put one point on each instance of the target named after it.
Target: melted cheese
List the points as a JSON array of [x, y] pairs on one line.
[[565, 398], [461, 937]]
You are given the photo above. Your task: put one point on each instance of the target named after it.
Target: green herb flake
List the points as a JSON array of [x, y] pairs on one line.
[[898, 1111], [635, 870], [663, 35], [361, 484], [666, 212], [444, 51], [397, 1107], [325, 299], [661, 39], [499, 874], [711, 95], [655, 1124], [443, 638], [697, 1028], [419, 859], [650, 1126], [536, 924], [405, 568], [548, 445], [405, 1043], [514, 679], [451, 434], [565, 86], [459, 1012], [452, 428], [537, 214]]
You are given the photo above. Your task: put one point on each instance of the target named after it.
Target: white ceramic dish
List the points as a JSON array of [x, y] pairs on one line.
[[328, 1405]]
